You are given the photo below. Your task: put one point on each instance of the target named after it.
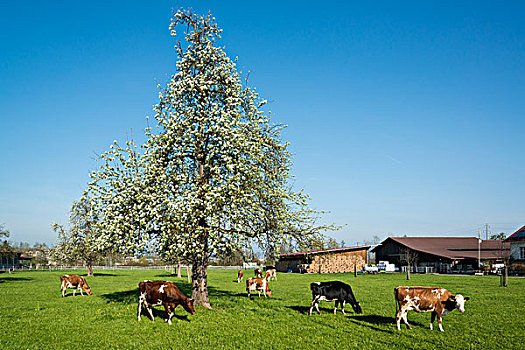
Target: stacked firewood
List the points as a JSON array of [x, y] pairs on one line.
[[336, 263]]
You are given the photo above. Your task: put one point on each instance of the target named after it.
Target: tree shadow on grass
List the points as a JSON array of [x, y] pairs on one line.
[[373, 321], [14, 279], [103, 274], [161, 313], [77, 294], [219, 293], [124, 297], [306, 309], [168, 275]]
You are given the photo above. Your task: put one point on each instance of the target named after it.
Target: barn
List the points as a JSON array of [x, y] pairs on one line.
[[334, 260], [441, 254], [13, 260], [517, 246]]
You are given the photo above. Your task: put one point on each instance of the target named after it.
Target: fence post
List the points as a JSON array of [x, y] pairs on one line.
[[504, 277]]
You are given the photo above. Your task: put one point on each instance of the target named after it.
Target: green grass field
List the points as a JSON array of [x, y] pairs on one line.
[[33, 315]]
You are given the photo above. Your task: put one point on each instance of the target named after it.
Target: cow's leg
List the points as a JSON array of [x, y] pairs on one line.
[[314, 302], [432, 318], [439, 322], [343, 306], [398, 319], [81, 292], [74, 291], [405, 318], [402, 314], [150, 311], [139, 309], [335, 309], [170, 313], [311, 307]]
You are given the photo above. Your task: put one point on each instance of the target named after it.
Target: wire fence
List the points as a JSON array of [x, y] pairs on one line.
[[116, 267]]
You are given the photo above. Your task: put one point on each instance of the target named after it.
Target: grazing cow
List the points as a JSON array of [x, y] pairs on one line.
[[258, 273], [258, 284], [240, 275], [75, 282], [272, 273], [333, 291], [439, 301], [153, 293]]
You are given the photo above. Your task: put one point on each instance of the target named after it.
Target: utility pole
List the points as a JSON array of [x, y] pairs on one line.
[[486, 231]]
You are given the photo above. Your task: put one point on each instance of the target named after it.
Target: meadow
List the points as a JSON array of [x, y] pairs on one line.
[[33, 315]]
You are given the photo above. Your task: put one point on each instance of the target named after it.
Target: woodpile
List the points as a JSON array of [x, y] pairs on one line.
[[337, 262]]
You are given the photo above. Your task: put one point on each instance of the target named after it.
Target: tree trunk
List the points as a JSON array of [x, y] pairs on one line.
[[89, 270], [408, 271], [179, 266], [199, 269], [199, 272]]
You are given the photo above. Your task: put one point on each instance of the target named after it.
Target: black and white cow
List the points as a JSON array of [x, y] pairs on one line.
[[333, 291]]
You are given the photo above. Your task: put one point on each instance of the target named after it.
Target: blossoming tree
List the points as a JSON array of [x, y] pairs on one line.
[[78, 243], [213, 175]]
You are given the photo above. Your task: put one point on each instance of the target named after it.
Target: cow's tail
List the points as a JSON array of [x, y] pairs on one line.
[[396, 291]]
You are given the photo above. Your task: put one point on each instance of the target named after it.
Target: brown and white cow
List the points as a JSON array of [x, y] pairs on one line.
[[75, 282], [240, 275], [272, 273], [258, 273], [153, 293], [258, 284], [437, 300]]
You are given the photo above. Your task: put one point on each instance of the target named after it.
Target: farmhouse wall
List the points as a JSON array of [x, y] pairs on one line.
[[516, 249], [289, 265], [9, 260], [389, 251]]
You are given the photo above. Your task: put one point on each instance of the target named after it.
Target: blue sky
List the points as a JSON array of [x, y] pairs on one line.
[[404, 117]]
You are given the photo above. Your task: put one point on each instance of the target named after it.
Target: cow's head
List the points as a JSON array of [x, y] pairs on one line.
[[459, 301], [357, 308], [88, 290], [188, 306]]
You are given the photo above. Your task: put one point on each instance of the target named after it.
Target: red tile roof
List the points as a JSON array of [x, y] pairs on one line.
[[453, 247], [517, 236], [333, 250]]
